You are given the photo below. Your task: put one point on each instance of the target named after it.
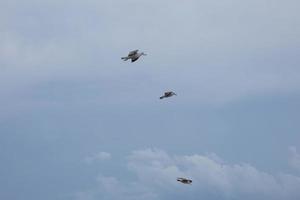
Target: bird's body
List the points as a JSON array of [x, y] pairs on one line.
[[134, 56], [185, 180], [167, 94]]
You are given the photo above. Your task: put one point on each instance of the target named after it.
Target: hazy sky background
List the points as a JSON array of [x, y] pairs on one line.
[[78, 123]]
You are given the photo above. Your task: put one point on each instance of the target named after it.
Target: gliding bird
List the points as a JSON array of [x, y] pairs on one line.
[[185, 180], [133, 55], [168, 94]]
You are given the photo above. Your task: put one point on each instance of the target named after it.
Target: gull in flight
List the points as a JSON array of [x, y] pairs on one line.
[[185, 180], [133, 55], [168, 94]]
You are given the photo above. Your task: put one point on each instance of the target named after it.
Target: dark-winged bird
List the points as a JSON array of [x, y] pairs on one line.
[[133, 55], [167, 94], [185, 180]]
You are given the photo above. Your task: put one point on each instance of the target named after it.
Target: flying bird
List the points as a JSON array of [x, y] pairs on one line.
[[167, 94], [185, 180], [133, 55]]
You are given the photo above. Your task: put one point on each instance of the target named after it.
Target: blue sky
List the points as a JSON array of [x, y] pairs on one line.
[[78, 123]]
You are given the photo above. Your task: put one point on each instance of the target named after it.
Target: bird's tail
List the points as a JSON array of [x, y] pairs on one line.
[[124, 58], [162, 97]]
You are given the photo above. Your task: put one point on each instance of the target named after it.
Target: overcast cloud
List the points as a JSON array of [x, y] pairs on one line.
[[73, 114]]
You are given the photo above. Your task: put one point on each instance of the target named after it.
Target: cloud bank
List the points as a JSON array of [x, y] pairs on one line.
[[218, 51], [155, 173]]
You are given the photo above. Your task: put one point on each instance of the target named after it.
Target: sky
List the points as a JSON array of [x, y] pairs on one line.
[[78, 123]]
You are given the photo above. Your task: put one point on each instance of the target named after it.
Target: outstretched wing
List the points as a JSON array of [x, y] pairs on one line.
[[131, 53], [134, 59]]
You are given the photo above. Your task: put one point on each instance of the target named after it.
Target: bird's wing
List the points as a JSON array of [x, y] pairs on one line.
[[134, 59], [131, 53]]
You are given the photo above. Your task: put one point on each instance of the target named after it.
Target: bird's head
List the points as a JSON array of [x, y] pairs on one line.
[[143, 54]]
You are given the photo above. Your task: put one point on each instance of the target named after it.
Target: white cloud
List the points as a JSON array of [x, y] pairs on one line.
[[294, 158], [110, 188], [156, 173], [97, 156]]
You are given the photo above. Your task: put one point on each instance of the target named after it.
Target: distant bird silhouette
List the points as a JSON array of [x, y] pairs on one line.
[[185, 180], [133, 55], [167, 94]]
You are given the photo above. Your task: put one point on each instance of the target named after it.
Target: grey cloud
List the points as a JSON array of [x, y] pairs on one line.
[[294, 158], [218, 51]]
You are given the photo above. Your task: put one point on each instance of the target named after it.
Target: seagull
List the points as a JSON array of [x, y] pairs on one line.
[[134, 56], [168, 94], [185, 180]]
